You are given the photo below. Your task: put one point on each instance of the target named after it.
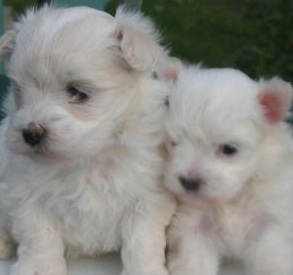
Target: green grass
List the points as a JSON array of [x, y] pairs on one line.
[[19, 5], [210, 32], [253, 35], [200, 31], [226, 33]]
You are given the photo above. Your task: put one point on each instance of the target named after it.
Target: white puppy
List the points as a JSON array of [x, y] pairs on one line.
[[231, 167], [80, 165]]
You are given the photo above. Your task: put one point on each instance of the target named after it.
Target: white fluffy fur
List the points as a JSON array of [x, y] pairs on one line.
[[93, 185], [243, 205]]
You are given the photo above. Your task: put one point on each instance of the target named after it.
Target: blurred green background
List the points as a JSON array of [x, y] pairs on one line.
[[255, 36]]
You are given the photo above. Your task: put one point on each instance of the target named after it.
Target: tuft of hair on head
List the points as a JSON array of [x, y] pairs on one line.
[[275, 97], [138, 39], [7, 40]]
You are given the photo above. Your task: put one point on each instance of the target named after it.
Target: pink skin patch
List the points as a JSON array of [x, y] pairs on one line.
[[259, 223], [273, 103], [204, 226], [170, 75], [96, 171]]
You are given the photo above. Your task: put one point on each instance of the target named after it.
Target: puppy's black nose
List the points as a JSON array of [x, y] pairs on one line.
[[34, 134], [190, 185]]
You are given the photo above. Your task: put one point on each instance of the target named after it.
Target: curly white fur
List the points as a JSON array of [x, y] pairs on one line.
[[92, 185], [230, 165]]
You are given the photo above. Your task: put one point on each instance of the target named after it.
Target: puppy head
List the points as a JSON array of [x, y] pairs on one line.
[[217, 123], [74, 75]]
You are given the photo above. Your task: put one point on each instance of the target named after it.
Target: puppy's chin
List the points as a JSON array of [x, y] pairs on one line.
[[196, 201], [199, 198]]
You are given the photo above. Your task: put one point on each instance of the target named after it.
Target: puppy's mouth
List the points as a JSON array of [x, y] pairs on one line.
[[41, 150], [38, 150], [198, 198]]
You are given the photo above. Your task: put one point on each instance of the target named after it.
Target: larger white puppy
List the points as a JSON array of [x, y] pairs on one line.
[[231, 167], [80, 162]]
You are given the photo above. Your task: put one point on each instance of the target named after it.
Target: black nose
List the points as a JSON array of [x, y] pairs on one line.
[[34, 134], [190, 185]]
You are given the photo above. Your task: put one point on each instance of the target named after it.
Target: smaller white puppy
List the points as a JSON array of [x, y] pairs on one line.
[[230, 166], [80, 170]]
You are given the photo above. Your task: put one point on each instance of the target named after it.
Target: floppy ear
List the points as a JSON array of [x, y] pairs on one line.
[[7, 41], [276, 99], [169, 69], [138, 40]]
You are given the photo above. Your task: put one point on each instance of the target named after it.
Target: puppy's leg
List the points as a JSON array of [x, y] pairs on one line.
[[7, 245], [41, 250], [271, 253], [191, 246], [144, 242]]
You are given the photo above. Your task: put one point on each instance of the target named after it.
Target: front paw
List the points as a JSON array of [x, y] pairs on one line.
[[39, 267]]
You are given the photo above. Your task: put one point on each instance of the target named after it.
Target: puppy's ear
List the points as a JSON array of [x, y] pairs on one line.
[[7, 42], [169, 69], [138, 40], [276, 99]]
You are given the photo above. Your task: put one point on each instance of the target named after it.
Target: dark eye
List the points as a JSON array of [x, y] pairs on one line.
[[76, 95], [228, 149]]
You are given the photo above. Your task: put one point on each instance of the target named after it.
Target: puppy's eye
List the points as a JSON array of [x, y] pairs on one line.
[[76, 95], [228, 150]]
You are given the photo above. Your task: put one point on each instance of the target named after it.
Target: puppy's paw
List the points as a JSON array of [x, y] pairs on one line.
[[7, 247], [39, 267]]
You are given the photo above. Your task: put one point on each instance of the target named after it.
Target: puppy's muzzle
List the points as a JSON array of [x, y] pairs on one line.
[[34, 134], [190, 185]]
